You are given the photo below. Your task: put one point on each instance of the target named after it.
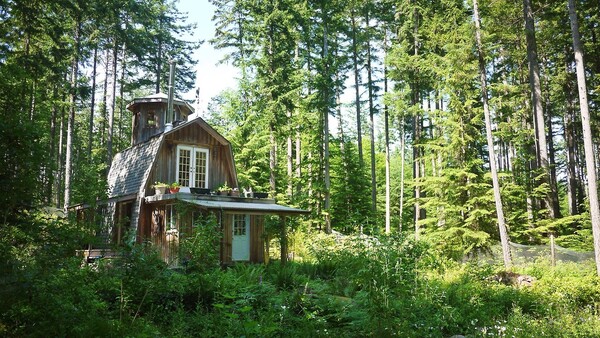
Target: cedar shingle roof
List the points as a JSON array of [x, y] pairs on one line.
[[130, 168]]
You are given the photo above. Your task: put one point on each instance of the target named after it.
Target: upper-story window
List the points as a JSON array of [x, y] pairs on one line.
[[192, 166], [151, 120]]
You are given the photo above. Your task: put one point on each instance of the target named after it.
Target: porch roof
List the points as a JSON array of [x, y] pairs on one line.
[[263, 208]]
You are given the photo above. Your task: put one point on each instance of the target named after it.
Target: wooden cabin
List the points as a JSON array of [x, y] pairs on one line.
[[169, 149]]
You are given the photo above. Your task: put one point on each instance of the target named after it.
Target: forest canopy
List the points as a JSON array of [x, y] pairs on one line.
[[368, 113], [417, 133]]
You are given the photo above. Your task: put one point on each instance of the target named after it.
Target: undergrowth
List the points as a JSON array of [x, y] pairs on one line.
[[343, 286]]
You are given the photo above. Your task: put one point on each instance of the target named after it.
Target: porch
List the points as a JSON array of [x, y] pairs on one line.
[[167, 218]]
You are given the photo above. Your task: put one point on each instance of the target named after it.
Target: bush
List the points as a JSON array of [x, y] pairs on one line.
[[200, 250]]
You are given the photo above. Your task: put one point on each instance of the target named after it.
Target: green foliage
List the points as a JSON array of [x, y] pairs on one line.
[[345, 286], [199, 251]]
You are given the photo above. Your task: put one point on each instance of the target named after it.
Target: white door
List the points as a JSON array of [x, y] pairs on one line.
[[240, 243], [192, 166]]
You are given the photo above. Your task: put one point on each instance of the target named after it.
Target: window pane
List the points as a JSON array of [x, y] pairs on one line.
[[170, 215], [239, 225], [184, 167], [200, 172]]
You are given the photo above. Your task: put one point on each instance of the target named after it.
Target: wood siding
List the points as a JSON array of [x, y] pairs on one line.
[[257, 245], [256, 238], [220, 166], [142, 131], [226, 246]]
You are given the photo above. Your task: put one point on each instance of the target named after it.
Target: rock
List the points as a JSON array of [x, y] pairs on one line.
[[513, 278]]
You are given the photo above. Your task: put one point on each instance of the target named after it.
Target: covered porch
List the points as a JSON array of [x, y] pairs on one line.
[[166, 219]]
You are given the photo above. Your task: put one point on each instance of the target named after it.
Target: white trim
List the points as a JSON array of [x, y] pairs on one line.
[[192, 174], [240, 244]]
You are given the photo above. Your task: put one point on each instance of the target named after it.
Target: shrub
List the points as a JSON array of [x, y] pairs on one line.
[[200, 251]]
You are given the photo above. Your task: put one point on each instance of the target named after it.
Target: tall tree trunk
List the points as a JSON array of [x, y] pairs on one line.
[[388, 221], [298, 161], [402, 160], [587, 134], [105, 99], [32, 101], [343, 154], [121, 96], [538, 113], [289, 157], [357, 91], [92, 105], [71, 119], [51, 176], [416, 124], [371, 120], [490, 142], [326, 178], [111, 110], [272, 159], [551, 153], [569, 135], [59, 157]]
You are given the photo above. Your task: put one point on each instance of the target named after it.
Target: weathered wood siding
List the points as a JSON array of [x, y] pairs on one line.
[[256, 238], [145, 224], [257, 228], [158, 229], [226, 246], [142, 131], [220, 160]]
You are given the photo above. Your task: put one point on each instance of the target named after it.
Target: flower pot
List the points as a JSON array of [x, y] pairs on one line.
[[174, 190], [160, 190], [235, 193], [223, 193]]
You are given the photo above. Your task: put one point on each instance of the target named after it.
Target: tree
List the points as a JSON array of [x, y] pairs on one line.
[[551, 199], [587, 133], [490, 140], [73, 106]]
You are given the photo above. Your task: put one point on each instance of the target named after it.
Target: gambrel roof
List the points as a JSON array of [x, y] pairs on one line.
[[130, 168]]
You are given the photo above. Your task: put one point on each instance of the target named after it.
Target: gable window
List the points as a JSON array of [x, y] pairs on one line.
[[151, 120], [192, 167]]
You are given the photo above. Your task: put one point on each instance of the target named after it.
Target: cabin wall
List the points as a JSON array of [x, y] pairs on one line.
[[122, 222], [141, 129], [155, 112], [257, 244], [226, 246], [167, 240], [220, 168], [144, 232]]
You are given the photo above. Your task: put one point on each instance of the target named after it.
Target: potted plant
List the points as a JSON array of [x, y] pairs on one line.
[[174, 187], [160, 188], [235, 192], [223, 190]]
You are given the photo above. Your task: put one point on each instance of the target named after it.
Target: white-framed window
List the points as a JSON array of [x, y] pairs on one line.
[[192, 166], [170, 217], [239, 225]]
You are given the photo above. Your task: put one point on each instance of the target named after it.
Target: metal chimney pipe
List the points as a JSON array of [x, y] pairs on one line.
[[170, 115]]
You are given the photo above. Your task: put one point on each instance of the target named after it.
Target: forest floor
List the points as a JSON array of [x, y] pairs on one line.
[[389, 287]]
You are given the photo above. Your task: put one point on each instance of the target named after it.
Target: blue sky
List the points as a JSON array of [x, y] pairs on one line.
[[211, 78]]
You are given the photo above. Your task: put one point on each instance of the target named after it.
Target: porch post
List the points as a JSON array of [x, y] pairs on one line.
[[283, 239]]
